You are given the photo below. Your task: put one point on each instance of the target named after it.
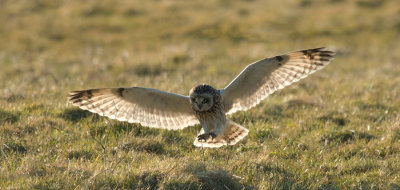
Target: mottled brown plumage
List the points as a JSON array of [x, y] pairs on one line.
[[216, 129], [205, 105]]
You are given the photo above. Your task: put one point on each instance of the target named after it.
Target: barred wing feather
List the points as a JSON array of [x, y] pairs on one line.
[[147, 106], [262, 78]]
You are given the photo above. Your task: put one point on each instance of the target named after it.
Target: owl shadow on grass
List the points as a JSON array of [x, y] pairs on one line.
[[205, 178], [201, 178]]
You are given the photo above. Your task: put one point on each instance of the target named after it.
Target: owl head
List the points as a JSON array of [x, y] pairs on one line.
[[202, 97]]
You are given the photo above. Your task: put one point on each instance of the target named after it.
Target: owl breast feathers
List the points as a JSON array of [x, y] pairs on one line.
[[205, 105]]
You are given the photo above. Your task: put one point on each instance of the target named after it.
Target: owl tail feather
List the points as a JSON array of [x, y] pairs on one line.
[[232, 134]]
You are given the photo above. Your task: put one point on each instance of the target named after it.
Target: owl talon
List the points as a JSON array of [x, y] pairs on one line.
[[205, 137]]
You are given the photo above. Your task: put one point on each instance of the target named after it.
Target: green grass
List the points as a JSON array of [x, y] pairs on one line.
[[336, 129]]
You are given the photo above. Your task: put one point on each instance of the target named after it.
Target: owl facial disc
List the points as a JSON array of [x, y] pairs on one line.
[[202, 97]]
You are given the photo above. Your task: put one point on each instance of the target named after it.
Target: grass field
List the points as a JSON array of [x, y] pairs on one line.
[[337, 129]]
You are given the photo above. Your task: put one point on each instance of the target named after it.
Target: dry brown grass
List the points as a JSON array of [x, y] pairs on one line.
[[337, 129]]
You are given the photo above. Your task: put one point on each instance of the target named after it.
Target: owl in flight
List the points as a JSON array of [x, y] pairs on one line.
[[205, 105]]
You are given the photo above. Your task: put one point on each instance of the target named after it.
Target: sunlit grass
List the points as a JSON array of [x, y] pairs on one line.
[[336, 129]]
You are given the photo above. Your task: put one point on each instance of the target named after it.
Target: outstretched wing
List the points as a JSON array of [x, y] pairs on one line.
[[149, 107], [260, 79]]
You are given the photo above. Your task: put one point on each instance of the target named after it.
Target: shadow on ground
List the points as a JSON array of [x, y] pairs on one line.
[[205, 178], [199, 178]]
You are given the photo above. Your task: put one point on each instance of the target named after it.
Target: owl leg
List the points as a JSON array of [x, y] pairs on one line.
[[207, 135], [206, 128]]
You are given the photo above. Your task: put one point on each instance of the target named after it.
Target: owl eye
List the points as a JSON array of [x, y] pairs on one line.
[[205, 101]]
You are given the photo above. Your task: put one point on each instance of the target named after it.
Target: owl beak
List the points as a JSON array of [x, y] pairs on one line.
[[200, 105]]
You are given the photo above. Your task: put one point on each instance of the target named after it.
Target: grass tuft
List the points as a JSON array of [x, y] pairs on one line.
[[145, 145], [340, 137], [75, 115], [8, 117]]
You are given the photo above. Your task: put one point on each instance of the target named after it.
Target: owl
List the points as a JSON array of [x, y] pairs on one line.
[[205, 104]]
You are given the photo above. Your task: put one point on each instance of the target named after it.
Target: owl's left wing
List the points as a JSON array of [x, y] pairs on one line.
[[147, 106], [260, 79]]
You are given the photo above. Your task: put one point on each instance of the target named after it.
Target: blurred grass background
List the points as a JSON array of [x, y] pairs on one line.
[[336, 129]]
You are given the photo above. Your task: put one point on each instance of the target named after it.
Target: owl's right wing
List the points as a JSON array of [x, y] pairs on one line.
[[260, 79], [149, 107]]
